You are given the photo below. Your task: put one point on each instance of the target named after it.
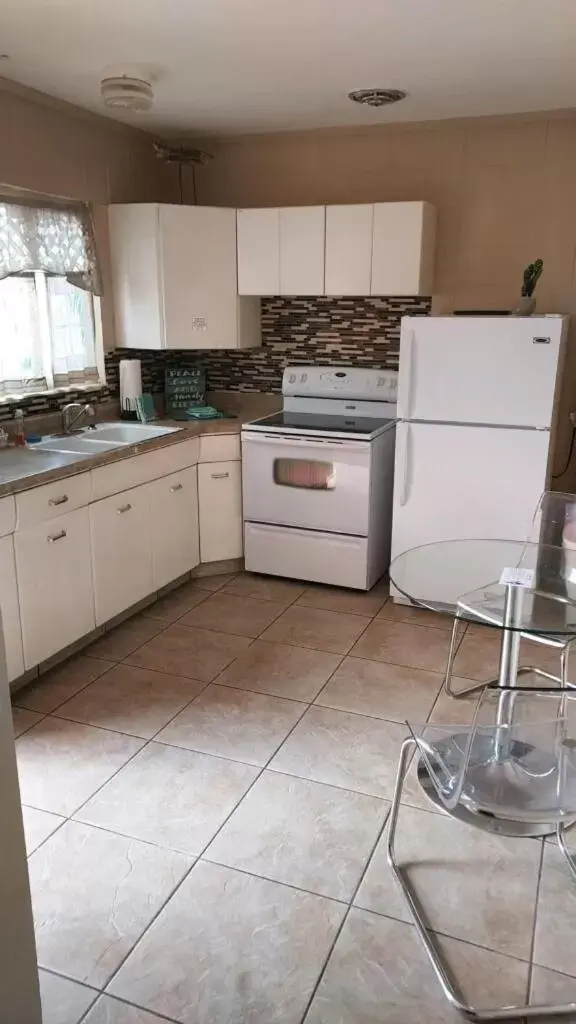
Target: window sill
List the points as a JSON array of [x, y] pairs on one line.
[[17, 398]]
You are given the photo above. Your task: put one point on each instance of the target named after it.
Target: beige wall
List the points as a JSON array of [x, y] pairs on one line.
[[57, 149], [505, 191]]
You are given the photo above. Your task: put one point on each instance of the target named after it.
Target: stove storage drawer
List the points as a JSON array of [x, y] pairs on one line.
[[308, 482], [307, 555]]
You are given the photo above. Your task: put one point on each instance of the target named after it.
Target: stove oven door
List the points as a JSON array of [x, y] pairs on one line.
[[314, 483]]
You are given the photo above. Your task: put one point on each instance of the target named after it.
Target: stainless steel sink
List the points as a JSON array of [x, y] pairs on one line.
[[104, 438], [130, 433], [76, 445]]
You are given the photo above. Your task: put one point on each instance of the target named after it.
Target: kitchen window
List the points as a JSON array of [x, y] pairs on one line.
[[49, 308]]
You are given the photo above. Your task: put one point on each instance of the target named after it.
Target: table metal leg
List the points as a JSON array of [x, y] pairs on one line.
[[510, 640], [508, 669]]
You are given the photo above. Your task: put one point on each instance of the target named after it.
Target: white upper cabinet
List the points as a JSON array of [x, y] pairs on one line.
[[258, 252], [302, 237], [281, 251], [348, 249], [356, 249], [403, 239], [175, 278]]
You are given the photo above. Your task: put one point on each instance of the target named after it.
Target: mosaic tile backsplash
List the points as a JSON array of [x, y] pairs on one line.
[[310, 331]]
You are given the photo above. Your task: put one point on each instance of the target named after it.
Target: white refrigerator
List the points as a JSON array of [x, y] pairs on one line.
[[476, 404]]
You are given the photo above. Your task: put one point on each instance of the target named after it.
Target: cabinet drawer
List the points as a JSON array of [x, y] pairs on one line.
[[7, 515], [119, 476], [51, 500], [54, 572], [220, 506], [121, 529], [219, 448]]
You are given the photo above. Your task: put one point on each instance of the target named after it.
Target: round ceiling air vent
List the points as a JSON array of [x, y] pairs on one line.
[[377, 97], [125, 93]]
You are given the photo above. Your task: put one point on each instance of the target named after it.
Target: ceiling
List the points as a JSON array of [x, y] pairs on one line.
[[236, 66]]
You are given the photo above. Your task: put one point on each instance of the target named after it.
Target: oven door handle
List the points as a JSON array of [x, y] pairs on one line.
[[303, 442]]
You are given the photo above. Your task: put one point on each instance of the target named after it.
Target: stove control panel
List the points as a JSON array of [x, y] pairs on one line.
[[340, 382]]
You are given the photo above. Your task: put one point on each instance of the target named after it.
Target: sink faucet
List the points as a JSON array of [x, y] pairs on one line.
[[69, 419]]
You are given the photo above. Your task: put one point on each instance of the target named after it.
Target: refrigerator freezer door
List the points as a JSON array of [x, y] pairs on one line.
[[493, 370], [455, 482]]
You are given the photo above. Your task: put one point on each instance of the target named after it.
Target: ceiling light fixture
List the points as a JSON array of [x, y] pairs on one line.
[[123, 92], [377, 97]]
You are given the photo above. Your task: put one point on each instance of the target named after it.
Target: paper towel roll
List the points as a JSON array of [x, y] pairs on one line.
[[130, 385]]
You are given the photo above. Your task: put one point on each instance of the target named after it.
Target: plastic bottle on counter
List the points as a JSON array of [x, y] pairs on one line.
[[18, 433]]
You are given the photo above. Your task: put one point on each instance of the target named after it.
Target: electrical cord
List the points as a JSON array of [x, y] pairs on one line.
[[555, 476]]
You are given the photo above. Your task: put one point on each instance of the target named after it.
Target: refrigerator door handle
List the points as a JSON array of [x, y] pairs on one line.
[[406, 465], [406, 392]]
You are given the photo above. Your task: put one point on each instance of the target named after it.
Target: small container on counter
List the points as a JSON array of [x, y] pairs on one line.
[[18, 432]]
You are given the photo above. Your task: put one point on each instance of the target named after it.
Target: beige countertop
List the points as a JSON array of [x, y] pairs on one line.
[[22, 469]]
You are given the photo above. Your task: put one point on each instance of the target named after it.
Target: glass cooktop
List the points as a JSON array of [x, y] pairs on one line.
[[305, 422]]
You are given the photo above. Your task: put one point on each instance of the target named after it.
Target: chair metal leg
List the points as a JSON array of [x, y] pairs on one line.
[[565, 682], [449, 987], [568, 857], [449, 665]]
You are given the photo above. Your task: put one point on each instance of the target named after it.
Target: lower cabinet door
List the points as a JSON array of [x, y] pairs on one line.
[[220, 505], [10, 610], [174, 526], [54, 572], [121, 551]]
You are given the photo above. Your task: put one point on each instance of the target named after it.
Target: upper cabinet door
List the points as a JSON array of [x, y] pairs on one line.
[[348, 249], [198, 247], [302, 236], [403, 249], [258, 252], [136, 275]]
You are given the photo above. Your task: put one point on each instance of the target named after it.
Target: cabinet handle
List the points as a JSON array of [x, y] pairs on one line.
[[177, 487], [58, 501], [123, 508], [219, 476], [57, 536]]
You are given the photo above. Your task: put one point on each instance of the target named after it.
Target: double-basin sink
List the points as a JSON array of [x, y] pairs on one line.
[[104, 437]]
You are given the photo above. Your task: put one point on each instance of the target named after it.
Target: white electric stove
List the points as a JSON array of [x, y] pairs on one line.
[[318, 477]]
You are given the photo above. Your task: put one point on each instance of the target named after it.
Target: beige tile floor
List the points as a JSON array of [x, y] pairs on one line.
[[205, 793]]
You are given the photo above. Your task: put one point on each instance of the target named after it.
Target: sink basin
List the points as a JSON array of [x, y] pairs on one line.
[[104, 438], [130, 433], [76, 445]]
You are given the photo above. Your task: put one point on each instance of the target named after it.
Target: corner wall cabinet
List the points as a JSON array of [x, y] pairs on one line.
[[174, 278]]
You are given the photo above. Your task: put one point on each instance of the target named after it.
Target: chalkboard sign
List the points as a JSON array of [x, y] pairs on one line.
[[183, 388]]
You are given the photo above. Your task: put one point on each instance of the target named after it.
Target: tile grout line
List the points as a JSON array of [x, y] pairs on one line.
[[125, 1002], [349, 906], [111, 661], [447, 935], [198, 858], [308, 705], [70, 817], [535, 921]]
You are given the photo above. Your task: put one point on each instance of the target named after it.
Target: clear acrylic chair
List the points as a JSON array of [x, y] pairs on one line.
[[515, 764], [553, 525]]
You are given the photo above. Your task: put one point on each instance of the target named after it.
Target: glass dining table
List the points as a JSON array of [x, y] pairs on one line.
[[520, 589]]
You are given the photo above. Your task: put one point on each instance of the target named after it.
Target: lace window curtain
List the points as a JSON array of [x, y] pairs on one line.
[[57, 241], [48, 277]]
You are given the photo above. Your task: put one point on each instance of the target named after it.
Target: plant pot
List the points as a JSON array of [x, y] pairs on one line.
[[526, 306]]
